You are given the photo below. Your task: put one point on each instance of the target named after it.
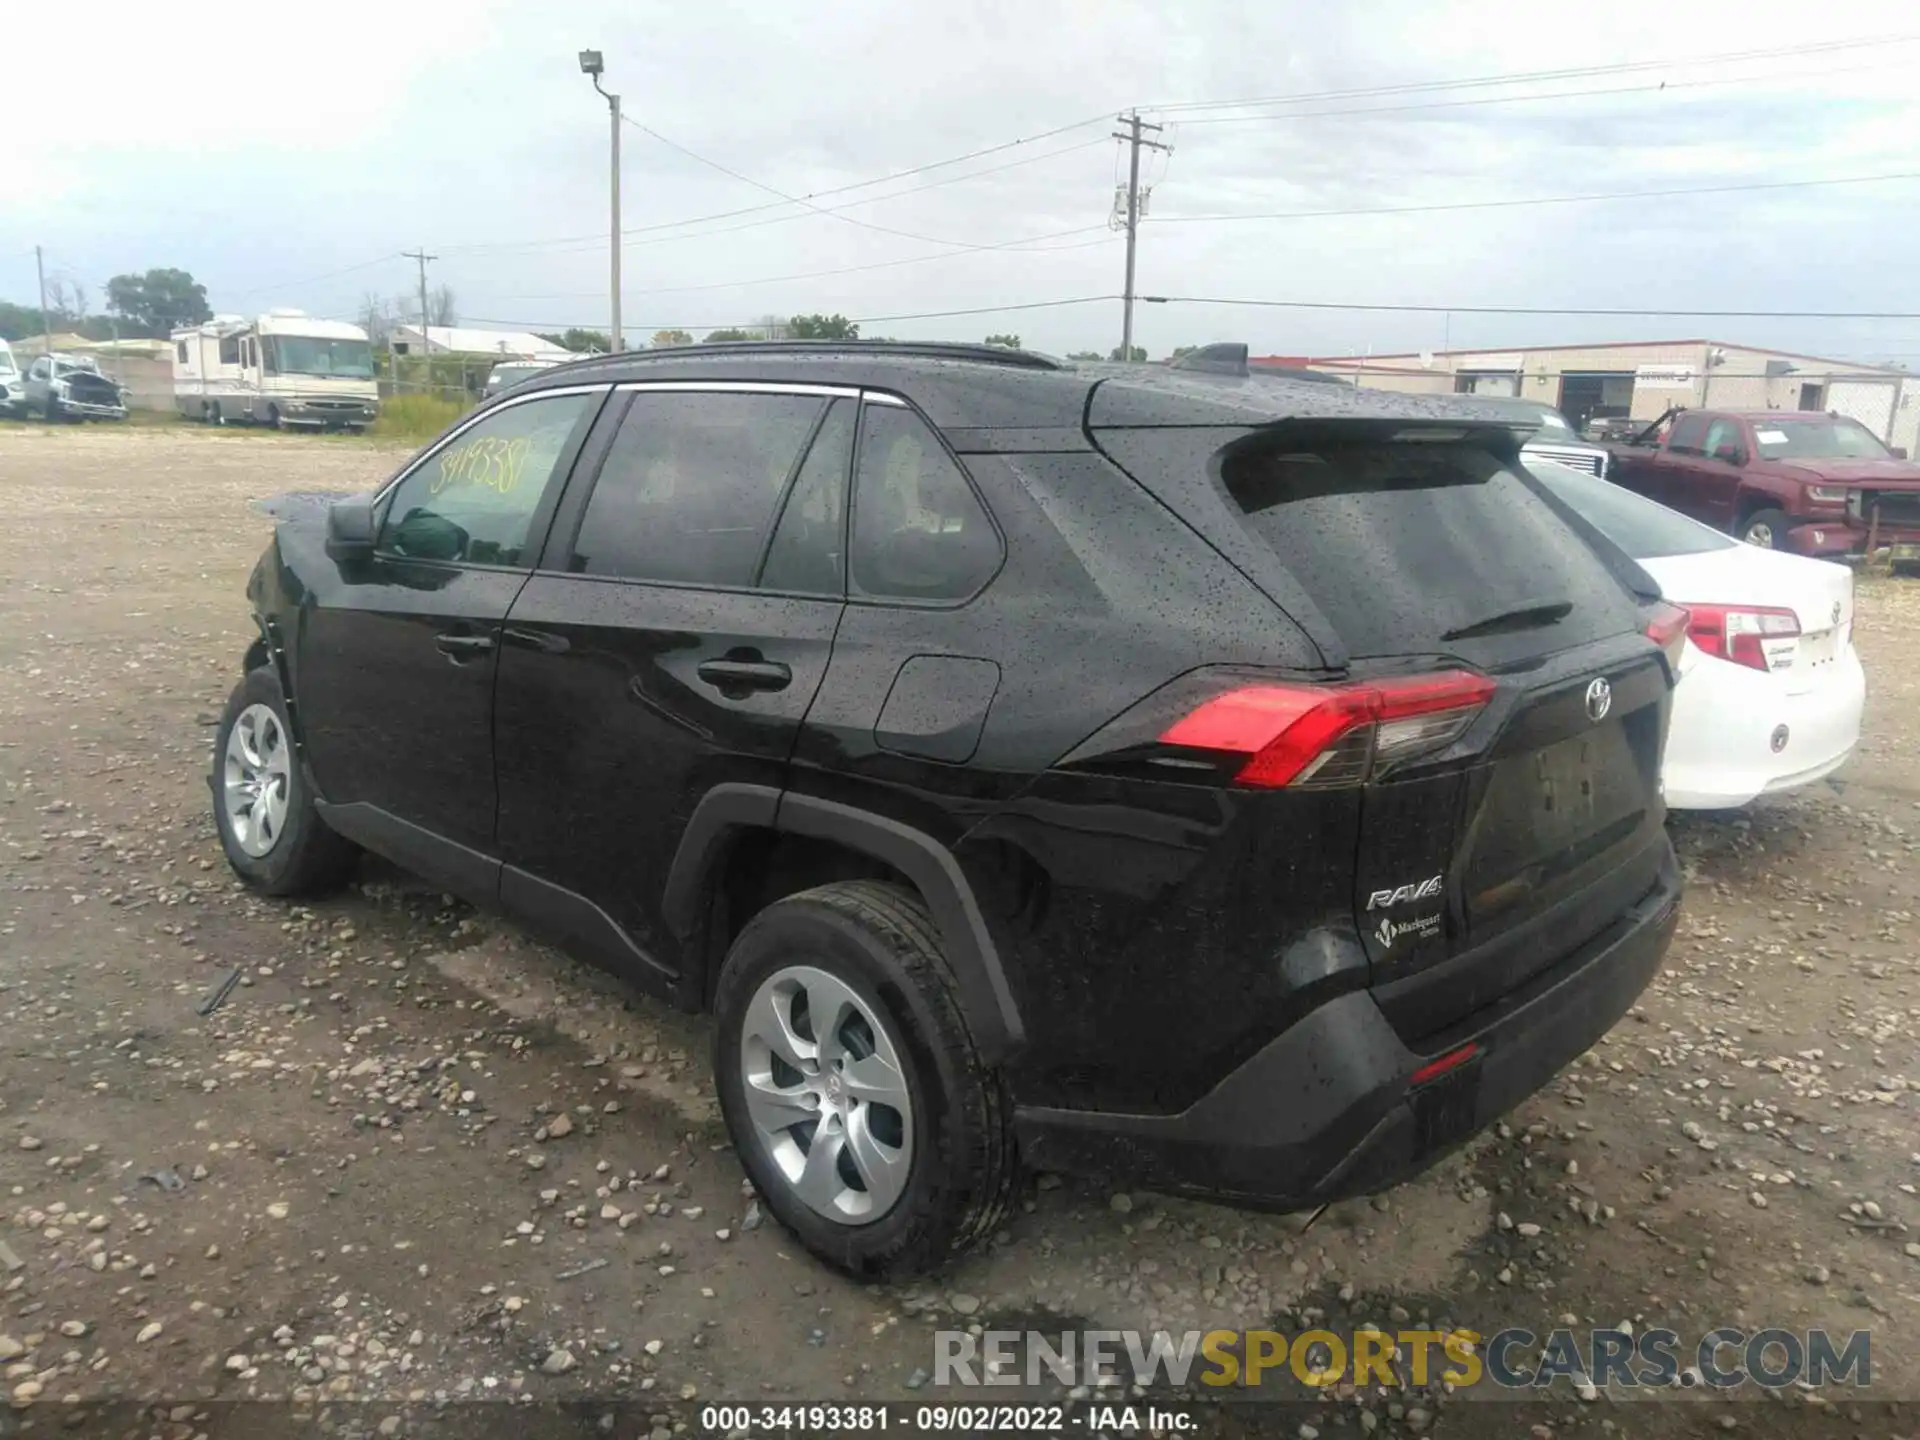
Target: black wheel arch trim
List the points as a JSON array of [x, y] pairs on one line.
[[992, 1014]]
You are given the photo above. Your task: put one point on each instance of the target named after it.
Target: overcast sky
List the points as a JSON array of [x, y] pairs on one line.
[[287, 155]]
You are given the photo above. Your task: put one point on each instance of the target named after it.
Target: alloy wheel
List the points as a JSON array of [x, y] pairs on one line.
[[257, 779], [830, 1101]]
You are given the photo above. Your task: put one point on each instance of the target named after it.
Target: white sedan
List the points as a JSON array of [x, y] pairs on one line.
[[1770, 689]]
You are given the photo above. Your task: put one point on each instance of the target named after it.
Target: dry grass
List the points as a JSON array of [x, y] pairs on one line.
[[416, 417]]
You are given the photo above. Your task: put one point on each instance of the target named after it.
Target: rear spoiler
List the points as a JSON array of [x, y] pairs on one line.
[[1230, 358]]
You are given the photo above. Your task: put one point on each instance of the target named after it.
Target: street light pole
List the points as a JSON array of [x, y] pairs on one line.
[[592, 65]]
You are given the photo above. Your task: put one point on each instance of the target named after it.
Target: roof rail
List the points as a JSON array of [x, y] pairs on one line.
[[1225, 358], [912, 349]]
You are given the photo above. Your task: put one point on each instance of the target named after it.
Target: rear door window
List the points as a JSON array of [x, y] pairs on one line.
[[1405, 548], [689, 490]]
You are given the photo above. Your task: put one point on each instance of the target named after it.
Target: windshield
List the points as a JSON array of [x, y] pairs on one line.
[[1825, 438], [305, 355], [1644, 530]]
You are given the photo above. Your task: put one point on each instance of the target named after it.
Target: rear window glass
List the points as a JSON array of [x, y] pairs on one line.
[[1410, 548], [1644, 530]]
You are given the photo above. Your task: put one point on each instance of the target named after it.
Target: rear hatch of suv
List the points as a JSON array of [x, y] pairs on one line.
[[1490, 701]]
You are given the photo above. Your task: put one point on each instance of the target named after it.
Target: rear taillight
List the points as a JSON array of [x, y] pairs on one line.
[[1668, 630], [1741, 633], [1325, 736]]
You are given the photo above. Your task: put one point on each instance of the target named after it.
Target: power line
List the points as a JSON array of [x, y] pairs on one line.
[[329, 275], [1645, 88], [831, 190], [1588, 311], [1533, 76], [1542, 200], [795, 200], [1034, 249], [786, 219], [691, 325]]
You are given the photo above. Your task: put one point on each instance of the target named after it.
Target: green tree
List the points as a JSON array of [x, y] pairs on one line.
[[728, 337], [662, 338], [822, 327], [17, 322], [1085, 355], [157, 302], [1011, 342], [580, 341], [1139, 354]]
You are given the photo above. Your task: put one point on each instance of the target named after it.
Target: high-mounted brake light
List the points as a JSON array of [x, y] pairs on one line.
[[1332, 735], [1668, 630], [1742, 633]]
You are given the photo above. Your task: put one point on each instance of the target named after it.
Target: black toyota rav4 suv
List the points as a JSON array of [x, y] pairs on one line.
[[1230, 786]]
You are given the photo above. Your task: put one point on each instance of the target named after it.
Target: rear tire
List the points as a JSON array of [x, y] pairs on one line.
[[274, 838], [273, 417], [872, 950], [1766, 529]]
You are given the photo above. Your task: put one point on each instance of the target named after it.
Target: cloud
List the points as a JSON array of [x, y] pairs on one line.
[[288, 158]]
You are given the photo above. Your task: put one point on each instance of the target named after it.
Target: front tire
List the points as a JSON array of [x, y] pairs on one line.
[[1766, 529], [274, 838], [851, 1087]]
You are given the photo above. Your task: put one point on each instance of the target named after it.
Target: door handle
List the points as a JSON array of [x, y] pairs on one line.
[[537, 640], [461, 648], [745, 674]]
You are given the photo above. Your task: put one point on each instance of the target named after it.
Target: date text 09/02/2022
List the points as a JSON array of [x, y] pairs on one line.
[[962, 1419]]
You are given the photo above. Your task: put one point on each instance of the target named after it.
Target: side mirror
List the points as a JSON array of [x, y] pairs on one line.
[[1899, 452], [350, 530]]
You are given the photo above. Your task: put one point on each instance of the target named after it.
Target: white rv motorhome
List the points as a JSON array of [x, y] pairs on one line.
[[282, 368]]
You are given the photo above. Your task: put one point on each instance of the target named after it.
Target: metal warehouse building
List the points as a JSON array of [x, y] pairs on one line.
[[1644, 378]]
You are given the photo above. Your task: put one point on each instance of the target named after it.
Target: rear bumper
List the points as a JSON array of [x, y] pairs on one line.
[[1720, 743], [1325, 1110]]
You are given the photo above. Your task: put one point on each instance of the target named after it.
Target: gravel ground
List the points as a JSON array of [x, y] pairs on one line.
[[417, 1160]]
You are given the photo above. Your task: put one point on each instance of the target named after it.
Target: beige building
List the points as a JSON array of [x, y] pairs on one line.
[[1642, 379]]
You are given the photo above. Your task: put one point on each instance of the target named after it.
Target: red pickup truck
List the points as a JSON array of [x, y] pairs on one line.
[[1803, 481]]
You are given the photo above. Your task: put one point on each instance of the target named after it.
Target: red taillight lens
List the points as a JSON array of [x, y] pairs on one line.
[[1740, 633], [1331, 735], [1452, 1060], [1668, 630]]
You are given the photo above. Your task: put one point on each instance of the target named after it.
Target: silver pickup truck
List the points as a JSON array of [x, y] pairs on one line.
[[71, 387]]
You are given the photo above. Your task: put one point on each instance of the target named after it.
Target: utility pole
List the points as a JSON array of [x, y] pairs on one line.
[[46, 324], [592, 65], [426, 344], [422, 256], [1135, 143]]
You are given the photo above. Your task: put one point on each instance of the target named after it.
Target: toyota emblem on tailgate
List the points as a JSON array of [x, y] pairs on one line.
[[1599, 700]]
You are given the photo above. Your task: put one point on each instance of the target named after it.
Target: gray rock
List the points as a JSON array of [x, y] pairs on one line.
[[558, 1362], [963, 1303]]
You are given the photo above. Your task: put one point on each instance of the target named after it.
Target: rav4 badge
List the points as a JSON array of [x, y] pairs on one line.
[[1425, 890]]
